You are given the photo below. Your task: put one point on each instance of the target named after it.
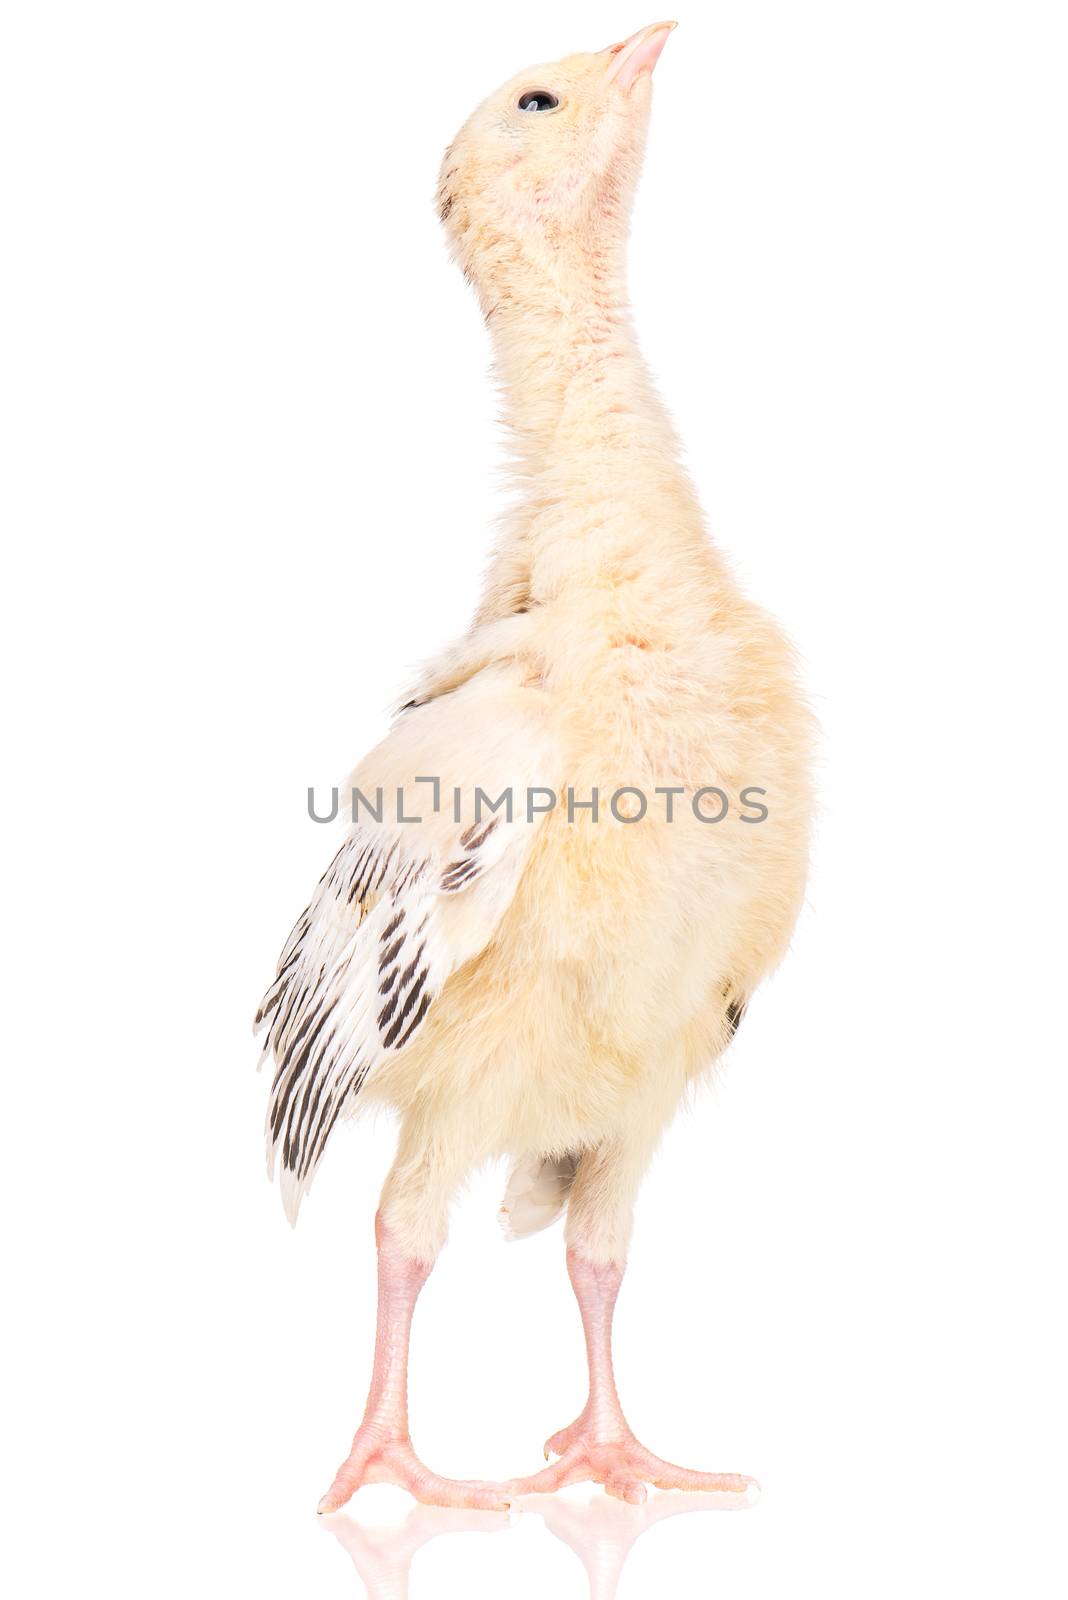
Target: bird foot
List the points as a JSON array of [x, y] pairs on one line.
[[391, 1459], [624, 1468]]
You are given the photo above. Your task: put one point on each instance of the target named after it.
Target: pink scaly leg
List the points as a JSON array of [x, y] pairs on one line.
[[382, 1449], [599, 1446]]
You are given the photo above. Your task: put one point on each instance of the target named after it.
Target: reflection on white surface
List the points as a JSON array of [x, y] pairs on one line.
[[601, 1532], [382, 1555]]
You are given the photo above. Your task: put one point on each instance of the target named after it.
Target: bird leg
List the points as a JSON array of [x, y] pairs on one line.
[[599, 1446], [382, 1449]]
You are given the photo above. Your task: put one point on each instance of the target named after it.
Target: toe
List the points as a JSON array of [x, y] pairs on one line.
[[572, 1467], [666, 1476], [334, 1498], [632, 1490], [462, 1496], [347, 1480], [404, 1468], [397, 1463], [558, 1443]]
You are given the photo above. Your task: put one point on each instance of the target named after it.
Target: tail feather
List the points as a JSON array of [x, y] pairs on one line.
[[537, 1193]]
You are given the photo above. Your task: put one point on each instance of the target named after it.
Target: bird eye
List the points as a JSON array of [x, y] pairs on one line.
[[538, 100]]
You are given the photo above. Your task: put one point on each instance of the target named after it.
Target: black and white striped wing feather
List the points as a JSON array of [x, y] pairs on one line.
[[358, 975]]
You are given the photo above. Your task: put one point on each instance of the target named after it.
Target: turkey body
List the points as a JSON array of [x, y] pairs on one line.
[[619, 970], [538, 960]]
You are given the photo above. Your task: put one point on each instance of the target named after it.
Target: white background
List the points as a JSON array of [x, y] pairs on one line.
[[249, 478]]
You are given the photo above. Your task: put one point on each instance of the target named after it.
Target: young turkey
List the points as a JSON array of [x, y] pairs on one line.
[[610, 772]]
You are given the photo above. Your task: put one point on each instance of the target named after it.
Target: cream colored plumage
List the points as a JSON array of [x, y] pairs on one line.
[[559, 980]]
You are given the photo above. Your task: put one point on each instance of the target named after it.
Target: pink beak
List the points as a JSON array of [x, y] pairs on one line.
[[640, 53]]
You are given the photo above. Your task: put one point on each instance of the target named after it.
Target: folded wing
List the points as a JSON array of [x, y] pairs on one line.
[[400, 907]]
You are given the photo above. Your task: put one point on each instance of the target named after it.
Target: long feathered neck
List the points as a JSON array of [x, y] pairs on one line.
[[595, 455], [572, 377]]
